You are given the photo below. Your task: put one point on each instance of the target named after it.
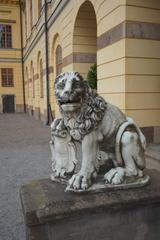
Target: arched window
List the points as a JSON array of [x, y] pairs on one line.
[[39, 7], [41, 77], [58, 60], [31, 15], [33, 81], [25, 22], [27, 81]]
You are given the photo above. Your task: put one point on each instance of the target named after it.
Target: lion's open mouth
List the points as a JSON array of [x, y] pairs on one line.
[[70, 105], [69, 102]]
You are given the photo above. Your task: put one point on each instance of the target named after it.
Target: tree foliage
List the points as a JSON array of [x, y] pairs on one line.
[[92, 76]]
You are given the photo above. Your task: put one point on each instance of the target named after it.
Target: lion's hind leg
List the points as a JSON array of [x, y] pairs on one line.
[[132, 153], [133, 159]]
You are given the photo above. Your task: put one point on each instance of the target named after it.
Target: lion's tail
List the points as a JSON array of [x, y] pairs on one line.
[[120, 132]]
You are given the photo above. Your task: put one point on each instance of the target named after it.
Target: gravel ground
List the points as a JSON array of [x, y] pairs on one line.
[[24, 155]]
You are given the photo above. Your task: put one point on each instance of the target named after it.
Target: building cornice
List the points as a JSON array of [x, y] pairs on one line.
[[61, 5], [11, 60], [7, 21], [13, 2], [50, 21]]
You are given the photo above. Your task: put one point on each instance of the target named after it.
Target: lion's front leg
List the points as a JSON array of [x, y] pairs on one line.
[[83, 179]]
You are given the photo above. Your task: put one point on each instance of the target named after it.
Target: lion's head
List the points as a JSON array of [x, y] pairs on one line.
[[80, 106], [69, 91]]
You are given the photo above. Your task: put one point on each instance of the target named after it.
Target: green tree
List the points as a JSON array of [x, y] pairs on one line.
[[92, 76]]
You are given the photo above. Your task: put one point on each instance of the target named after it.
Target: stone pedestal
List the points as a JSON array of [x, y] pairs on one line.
[[52, 214]]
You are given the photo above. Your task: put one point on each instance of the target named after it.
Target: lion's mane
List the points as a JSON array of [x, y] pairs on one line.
[[89, 115]]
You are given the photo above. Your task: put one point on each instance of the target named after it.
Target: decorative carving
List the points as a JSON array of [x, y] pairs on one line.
[[93, 136]]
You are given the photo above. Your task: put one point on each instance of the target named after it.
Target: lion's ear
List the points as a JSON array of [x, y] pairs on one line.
[[79, 76], [56, 80], [61, 75]]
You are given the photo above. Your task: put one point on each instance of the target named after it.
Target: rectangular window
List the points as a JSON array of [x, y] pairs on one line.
[[7, 77], [5, 36]]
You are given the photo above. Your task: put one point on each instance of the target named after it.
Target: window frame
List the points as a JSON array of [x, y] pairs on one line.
[[33, 83], [58, 59], [31, 14], [39, 8], [6, 38], [41, 78], [7, 77], [25, 22]]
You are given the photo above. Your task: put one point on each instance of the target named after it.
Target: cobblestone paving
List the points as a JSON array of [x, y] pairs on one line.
[[24, 155]]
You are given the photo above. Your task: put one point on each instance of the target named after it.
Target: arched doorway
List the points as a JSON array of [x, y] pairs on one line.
[[8, 103], [85, 39]]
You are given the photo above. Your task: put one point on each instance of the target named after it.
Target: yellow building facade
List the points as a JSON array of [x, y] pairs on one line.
[[11, 79], [122, 37]]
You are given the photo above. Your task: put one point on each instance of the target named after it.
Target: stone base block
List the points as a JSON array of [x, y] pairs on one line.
[[52, 214]]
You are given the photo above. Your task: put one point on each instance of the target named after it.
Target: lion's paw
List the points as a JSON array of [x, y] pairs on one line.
[[59, 173], [115, 176], [80, 181]]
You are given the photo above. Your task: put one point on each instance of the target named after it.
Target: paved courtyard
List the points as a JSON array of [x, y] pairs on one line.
[[25, 155]]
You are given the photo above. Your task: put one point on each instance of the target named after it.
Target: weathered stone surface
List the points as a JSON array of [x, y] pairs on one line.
[[99, 131], [126, 214]]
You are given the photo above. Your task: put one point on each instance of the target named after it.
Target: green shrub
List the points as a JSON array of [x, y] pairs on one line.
[[92, 76]]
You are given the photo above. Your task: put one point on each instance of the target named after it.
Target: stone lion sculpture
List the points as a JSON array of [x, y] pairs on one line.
[[90, 133]]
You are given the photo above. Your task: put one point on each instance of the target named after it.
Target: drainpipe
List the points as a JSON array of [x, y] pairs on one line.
[[49, 112], [21, 28]]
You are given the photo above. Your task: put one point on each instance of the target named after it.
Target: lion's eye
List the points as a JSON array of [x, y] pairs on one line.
[[61, 85], [76, 84]]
